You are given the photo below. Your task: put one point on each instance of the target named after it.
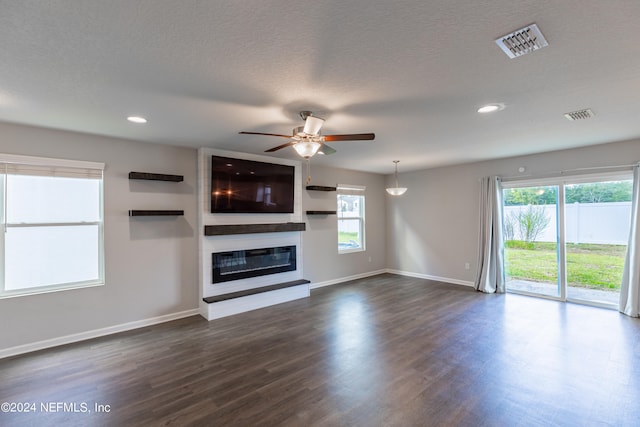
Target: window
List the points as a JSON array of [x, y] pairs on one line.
[[350, 218], [51, 215]]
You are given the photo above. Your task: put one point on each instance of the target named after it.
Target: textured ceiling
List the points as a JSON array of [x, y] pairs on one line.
[[413, 72]]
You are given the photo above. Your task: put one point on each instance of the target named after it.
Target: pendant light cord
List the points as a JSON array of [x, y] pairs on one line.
[[396, 173]]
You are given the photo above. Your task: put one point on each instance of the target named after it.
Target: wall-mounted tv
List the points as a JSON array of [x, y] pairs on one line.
[[246, 186]]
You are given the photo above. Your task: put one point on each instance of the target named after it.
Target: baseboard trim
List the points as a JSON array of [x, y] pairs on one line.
[[429, 277], [82, 336], [346, 279]]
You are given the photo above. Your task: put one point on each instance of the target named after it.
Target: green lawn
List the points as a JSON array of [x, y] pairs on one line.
[[345, 237], [588, 265]]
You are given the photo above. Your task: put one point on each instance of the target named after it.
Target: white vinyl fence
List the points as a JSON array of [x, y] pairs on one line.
[[602, 223]]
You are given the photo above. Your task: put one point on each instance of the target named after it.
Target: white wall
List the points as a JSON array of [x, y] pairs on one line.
[[150, 262], [432, 230], [322, 262]]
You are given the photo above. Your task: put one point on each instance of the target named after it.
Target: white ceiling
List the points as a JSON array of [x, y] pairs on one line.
[[414, 72]]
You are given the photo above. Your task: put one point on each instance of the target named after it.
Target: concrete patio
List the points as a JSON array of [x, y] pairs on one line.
[[551, 289]]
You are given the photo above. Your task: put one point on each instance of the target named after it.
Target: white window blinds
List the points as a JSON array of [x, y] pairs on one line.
[[11, 164]]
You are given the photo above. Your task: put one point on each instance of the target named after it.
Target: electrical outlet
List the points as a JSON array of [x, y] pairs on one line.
[[466, 266], [369, 259]]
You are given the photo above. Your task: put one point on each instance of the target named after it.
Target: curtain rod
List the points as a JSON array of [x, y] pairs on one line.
[[574, 171]]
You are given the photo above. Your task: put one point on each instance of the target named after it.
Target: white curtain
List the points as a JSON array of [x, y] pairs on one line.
[[490, 277], [630, 290]]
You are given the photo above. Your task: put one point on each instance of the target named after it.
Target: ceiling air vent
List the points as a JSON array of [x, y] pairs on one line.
[[579, 115], [522, 41]]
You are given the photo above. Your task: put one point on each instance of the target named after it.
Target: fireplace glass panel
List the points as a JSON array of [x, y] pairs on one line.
[[242, 264]]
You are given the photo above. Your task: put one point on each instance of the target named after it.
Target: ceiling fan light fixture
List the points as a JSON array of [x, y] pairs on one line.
[[307, 148], [397, 190], [312, 125]]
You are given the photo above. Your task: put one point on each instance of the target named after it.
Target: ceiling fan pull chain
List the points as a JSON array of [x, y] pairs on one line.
[[308, 170]]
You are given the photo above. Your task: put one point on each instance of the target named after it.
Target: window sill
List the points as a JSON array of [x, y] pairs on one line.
[[350, 251], [46, 290]]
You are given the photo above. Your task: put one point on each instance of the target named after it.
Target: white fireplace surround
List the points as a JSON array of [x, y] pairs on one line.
[[211, 244]]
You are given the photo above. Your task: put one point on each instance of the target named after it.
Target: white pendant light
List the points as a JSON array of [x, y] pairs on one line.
[[307, 147], [396, 191]]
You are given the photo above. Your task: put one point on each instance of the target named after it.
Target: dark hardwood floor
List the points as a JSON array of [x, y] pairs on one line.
[[381, 351]]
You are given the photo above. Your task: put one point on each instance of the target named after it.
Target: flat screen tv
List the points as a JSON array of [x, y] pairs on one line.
[[246, 186]]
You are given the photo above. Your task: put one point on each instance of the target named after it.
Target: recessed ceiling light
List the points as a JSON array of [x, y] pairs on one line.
[[490, 108], [137, 119]]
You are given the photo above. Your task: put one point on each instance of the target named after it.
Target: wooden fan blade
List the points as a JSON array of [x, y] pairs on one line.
[[352, 137], [268, 134], [326, 150], [280, 147]]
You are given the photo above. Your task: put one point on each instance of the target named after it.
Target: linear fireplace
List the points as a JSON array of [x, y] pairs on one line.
[[242, 264]]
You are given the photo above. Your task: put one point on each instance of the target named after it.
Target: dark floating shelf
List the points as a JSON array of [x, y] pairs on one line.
[[321, 212], [156, 176], [155, 213], [320, 188], [232, 295], [222, 230]]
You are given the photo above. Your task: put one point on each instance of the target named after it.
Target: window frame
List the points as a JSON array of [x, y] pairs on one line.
[[49, 167], [352, 190]]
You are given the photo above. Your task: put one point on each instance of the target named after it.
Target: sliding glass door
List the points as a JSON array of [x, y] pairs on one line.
[[567, 239], [597, 217], [531, 255]]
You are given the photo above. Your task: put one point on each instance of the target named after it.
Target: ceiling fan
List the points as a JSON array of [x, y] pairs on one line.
[[307, 140]]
